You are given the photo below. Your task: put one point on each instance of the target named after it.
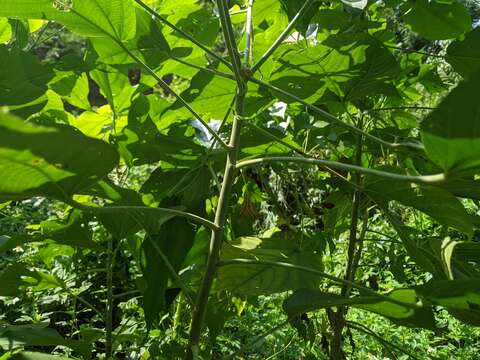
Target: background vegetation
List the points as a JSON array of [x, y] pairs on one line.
[[268, 179]]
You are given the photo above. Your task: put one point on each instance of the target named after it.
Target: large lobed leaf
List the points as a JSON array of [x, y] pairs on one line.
[[113, 18], [49, 161], [451, 132]]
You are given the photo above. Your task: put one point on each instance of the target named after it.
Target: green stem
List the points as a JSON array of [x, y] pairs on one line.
[[248, 33], [172, 271], [356, 201], [423, 179], [381, 339], [164, 211], [267, 134], [282, 36], [338, 319], [183, 33], [334, 119], [205, 69], [177, 319], [169, 90], [392, 108], [109, 309], [320, 274], [228, 180]]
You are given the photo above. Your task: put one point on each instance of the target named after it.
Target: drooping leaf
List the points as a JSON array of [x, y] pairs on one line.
[[149, 44], [175, 239], [293, 7], [28, 355], [50, 161], [266, 279], [460, 297], [451, 132], [438, 20], [112, 18], [12, 336], [23, 79], [464, 54], [436, 202], [305, 300]]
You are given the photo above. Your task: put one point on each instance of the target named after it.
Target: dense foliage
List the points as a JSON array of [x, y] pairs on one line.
[[239, 179]]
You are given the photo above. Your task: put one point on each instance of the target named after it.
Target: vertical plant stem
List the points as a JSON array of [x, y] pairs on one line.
[[249, 33], [338, 319], [109, 309], [228, 180]]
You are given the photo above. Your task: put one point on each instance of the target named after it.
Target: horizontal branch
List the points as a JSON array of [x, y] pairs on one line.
[[205, 69], [393, 108], [159, 211], [183, 33], [422, 179], [333, 119], [320, 274]]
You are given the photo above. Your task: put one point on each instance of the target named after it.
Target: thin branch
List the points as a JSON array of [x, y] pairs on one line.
[[282, 36], [414, 51], [230, 41], [274, 355], [249, 33], [320, 274], [183, 33], [205, 69], [160, 211], [126, 293], [169, 90], [423, 179], [85, 302], [336, 120], [381, 339], [269, 135], [392, 108], [109, 307], [356, 201], [172, 271], [257, 339]]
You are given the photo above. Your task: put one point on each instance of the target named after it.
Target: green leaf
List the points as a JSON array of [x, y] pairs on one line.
[[28, 355], [175, 240], [464, 54], [14, 278], [305, 300], [22, 78], [5, 31], [451, 132], [148, 44], [291, 7], [438, 20], [265, 279], [12, 336], [112, 18], [460, 297], [49, 161], [436, 202], [349, 66]]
